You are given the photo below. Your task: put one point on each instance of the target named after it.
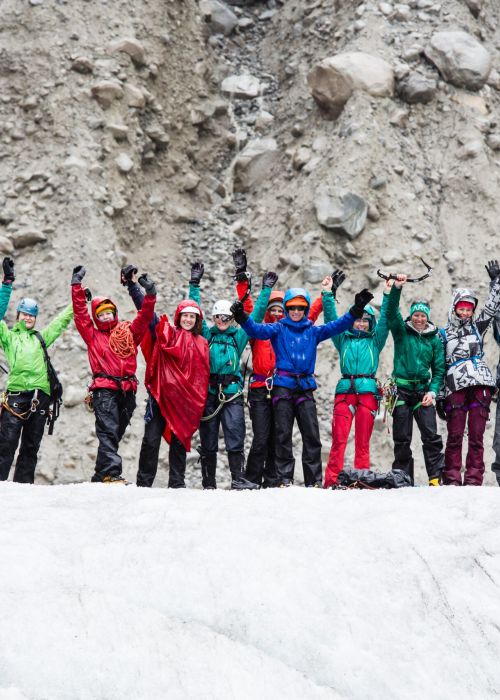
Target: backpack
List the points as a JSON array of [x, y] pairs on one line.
[[368, 479], [56, 388]]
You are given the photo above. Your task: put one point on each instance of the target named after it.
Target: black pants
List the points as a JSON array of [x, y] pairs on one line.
[[402, 429], [289, 405], [113, 410], [261, 468], [30, 431], [150, 450], [232, 419]]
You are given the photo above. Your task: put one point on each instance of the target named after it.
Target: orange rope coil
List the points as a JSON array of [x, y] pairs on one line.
[[121, 340]]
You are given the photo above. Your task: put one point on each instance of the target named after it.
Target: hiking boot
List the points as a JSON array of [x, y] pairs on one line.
[[242, 484], [285, 484], [111, 479], [434, 482]]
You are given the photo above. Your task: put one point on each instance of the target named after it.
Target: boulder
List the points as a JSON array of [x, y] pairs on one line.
[[341, 210], [252, 165], [460, 58], [330, 88], [73, 395], [6, 245], [106, 91], [82, 64], [124, 163], [243, 87], [132, 47], [221, 19], [135, 97], [23, 239], [316, 270], [417, 89]]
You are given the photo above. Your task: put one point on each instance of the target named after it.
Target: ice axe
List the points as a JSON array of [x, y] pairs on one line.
[[391, 276]]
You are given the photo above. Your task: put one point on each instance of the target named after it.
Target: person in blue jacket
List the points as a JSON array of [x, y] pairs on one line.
[[294, 339]]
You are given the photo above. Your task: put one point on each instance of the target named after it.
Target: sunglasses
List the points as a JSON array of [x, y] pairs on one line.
[[222, 317], [296, 308]]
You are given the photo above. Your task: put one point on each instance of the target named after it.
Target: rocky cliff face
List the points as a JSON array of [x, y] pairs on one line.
[[317, 134]]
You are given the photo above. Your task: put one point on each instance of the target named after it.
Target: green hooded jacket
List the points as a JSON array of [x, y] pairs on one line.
[[226, 347], [418, 356], [25, 355], [359, 352], [5, 292]]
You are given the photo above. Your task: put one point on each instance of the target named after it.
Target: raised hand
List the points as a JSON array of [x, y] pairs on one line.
[[147, 284], [8, 270], [127, 274], [197, 270], [361, 299], [493, 269], [79, 273], [269, 279]]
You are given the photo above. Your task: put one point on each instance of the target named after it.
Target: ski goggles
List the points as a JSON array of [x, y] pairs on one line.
[[223, 317]]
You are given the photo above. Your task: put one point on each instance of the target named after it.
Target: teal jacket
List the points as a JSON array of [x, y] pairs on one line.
[[25, 355], [418, 356], [226, 347], [5, 292], [359, 352]]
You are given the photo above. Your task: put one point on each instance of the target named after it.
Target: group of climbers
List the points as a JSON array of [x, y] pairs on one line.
[[195, 382]]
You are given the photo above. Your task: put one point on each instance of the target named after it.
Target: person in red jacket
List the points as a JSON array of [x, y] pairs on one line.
[[260, 467], [112, 350]]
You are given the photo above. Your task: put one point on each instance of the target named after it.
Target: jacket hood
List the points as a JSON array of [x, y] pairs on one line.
[[372, 325], [184, 304], [103, 325], [461, 294], [297, 292]]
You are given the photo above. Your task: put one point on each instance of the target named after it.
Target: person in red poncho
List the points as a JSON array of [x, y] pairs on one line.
[[260, 468], [177, 376]]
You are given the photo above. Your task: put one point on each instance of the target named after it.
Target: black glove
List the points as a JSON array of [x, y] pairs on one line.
[[440, 408], [492, 268], [360, 301], [197, 270], [88, 294], [240, 315], [269, 280], [8, 270], [78, 274], [126, 274], [338, 277], [147, 284], [240, 264]]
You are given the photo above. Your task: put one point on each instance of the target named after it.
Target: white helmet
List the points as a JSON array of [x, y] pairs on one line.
[[222, 307]]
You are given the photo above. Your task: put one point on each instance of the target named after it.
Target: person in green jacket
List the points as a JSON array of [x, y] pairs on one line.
[[418, 373], [25, 403], [356, 394], [225, 394]]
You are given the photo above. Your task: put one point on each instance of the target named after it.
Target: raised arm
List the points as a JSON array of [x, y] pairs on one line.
[[6, 288], [382, 329], [140, 324], [129, 280], [361, 299], [59, 324], [197, 271], [330, 310], [491, 307], [394, 319], [83, 322]]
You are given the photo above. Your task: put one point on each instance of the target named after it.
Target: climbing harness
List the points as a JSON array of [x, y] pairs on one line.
[[392, 276], [389, 392], [10, 408], [222, 402], [117, 380]]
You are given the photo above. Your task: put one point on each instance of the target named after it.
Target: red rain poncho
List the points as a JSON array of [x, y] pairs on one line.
[[177, 375]]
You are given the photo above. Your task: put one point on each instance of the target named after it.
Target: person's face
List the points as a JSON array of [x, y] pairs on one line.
[[106, 316], [361, 324], [222, 322], [419, 320], [188, 321], [275, 312], [28, 319], [296, 313], [464, 312]]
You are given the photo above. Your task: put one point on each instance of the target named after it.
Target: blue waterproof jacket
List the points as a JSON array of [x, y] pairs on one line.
[[294, 344]]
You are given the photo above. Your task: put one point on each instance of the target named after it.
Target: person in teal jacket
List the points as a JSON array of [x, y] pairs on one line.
[[25, 403], [356, 394], [225, 394], [419, 368]]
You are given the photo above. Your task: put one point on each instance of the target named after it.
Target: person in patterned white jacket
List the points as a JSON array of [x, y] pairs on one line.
[[468, 385]]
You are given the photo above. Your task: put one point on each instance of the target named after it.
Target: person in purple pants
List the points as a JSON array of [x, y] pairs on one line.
[[469, 384]]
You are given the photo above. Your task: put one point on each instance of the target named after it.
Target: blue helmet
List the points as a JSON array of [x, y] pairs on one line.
[[28, 306], [297, 292]]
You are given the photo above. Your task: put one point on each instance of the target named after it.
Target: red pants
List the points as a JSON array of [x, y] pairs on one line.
[[363, 408]]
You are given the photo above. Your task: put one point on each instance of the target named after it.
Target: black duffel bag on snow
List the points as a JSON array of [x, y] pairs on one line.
[[368, 479]]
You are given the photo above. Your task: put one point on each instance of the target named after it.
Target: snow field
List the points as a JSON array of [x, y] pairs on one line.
[[110, 592]]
